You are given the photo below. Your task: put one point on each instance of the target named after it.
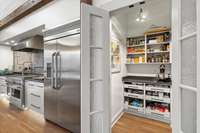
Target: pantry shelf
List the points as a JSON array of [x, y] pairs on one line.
[[155, 63], [139, 96], [164, 114], [158, 52], [157, 99], [156, 33], [139, 109], [161, 43], [138, 53], [140, 45]]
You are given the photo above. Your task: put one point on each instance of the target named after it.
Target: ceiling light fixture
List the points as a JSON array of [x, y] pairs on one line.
[[7, 43], [13, 41], [141, 17]]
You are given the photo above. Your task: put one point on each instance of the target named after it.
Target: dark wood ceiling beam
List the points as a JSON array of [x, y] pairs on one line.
[[87, 1], [28, 7]]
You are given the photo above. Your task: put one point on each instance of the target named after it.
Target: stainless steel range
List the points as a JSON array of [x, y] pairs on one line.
[[16, 87]]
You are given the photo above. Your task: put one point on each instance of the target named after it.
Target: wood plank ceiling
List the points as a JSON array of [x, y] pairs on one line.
[[87, 1], [23, 10]]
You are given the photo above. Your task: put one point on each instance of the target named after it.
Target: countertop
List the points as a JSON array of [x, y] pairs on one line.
[[147, 80], [32, 77], [36, 80]]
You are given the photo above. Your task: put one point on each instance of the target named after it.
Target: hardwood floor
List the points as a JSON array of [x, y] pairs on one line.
[[12, 120], [133, 124]]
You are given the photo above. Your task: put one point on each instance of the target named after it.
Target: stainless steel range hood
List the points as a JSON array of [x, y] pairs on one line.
[[32, 44]]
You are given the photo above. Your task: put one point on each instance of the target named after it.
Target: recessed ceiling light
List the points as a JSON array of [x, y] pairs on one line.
[[7, 43], [15, 44], [13, 41]]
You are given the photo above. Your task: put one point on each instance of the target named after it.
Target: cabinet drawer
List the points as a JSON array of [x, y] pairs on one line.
[[159, 89], [35, 85], [35, 108], [3, 89], [139, 87], [36, 92], [36, 99]]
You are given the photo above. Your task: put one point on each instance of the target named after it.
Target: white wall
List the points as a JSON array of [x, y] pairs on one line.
[[117, 99], [6, 57], [56, 13]]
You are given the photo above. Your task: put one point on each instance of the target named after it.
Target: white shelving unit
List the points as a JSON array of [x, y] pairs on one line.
[[145, 110], [147, 53]]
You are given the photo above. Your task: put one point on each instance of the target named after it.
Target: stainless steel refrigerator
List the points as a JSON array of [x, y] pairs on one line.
[[62, 80]]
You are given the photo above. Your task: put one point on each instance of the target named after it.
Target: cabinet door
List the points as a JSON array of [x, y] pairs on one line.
[[95, 70]]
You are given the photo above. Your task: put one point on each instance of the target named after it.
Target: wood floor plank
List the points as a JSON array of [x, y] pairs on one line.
[[132, 124], [13, 120]]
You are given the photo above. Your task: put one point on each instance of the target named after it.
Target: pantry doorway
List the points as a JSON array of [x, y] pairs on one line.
[[185, 64], [185, 75]]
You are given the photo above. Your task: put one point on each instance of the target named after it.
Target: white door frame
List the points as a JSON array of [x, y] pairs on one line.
[[176, 38], [198, 65], [175, 123], [175, 118]]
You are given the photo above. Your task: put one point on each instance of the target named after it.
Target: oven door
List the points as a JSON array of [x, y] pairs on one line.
[[16, 93], [16, 97]]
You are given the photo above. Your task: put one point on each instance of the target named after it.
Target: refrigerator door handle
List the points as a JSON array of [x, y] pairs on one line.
[[58, 71], [53, 71]]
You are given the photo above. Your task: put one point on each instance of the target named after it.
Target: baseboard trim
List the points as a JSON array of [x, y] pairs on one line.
[[117, 116]]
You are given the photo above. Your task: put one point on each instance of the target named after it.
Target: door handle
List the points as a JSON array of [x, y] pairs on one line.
[[58, 70], [53, 71], [35, 95]]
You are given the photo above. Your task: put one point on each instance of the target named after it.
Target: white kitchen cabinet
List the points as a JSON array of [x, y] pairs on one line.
[[3, 85], [35, 96]]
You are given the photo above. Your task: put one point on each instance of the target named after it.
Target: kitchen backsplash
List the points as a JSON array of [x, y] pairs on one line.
[[27, 59], [38, 62]]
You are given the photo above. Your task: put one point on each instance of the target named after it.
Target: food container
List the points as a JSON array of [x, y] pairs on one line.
[[153, 41], [140, 59]]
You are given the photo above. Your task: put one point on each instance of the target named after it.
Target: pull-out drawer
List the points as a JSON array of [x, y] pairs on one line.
[[159, 89], [32, 84], [3, 89], [35, 108], [131, 86]]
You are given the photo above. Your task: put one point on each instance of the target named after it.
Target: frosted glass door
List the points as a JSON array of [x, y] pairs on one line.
[[95, 70], [187, 66]]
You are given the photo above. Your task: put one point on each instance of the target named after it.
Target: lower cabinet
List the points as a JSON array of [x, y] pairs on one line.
[[147, 100], [3, 85], [35, 96]]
